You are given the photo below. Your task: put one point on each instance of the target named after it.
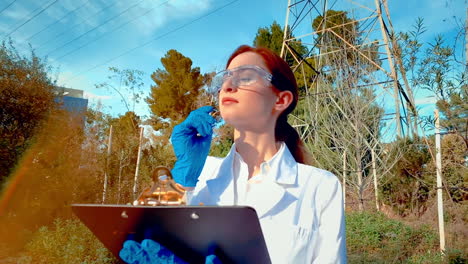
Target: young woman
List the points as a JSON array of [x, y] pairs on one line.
[[300, 207]]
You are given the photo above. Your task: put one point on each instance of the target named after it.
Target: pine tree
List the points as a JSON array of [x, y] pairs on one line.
[[176, 90]]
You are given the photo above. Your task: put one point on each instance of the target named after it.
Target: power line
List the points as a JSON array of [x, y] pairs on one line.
[[157, 38], [31, 18], [8, 6], [115, 29], [98, 26], [58, 20], [68, 30]]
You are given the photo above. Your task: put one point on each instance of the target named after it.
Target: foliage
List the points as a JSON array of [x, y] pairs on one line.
[[123, 157], [26, 97], [344, 117], [176, 90], [373, 238], [67, 241], [337, 33], [455, 112], [54, 172], [433, 67], [454, 168], [408, 190], [335, 25], [223, 141], [127, 83], [413, 181], [272, 38]]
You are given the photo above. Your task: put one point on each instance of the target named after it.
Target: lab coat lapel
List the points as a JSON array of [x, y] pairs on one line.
[[221, 188], [274, 191]]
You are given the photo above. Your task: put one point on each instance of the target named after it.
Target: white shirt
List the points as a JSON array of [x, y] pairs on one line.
[[300, 207]]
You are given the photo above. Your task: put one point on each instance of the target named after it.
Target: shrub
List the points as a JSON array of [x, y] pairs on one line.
[[373, 238], [68, 241]]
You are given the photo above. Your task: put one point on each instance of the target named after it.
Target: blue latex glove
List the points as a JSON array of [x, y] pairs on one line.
[[191, 141], [151, 252]]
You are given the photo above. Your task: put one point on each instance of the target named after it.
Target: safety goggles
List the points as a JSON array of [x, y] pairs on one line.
[[243, 76]]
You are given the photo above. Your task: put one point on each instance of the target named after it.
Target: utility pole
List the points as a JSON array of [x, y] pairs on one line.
[[466, 40], [135, 181], [344, 179], [374, 172], [440, 202], [106, 169]]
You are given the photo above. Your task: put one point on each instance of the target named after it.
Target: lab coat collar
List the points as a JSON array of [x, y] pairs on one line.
[[283, 168]]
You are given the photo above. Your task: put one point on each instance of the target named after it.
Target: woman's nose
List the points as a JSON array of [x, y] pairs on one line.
[[228, 86]]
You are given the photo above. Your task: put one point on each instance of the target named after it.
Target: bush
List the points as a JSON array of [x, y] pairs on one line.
[[373, 238], [69, 241]]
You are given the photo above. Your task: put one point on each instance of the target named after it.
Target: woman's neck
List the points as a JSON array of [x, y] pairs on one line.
[[255, 148]]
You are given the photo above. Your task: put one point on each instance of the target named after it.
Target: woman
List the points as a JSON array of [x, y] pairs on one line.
[[299, 207]]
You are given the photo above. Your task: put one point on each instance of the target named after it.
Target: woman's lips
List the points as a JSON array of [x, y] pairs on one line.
[[228, 100]]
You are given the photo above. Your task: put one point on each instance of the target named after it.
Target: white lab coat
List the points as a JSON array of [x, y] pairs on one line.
[[300, 207]]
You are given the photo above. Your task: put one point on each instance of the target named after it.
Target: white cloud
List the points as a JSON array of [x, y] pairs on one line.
[[425, 100], [70, 80], [165, 11]]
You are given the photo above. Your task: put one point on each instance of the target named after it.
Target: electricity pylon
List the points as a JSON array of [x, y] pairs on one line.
[[367, 35]]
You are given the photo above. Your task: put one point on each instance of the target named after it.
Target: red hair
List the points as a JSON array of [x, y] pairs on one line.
[[283, 80]]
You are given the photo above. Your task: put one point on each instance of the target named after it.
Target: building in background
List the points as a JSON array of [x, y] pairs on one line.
[[72, 100]]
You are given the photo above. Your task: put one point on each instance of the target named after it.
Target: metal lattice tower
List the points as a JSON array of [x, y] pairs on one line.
[[373, 27], [354, 93]]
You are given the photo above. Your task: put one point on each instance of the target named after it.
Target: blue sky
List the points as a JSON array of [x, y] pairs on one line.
[[81, 38]]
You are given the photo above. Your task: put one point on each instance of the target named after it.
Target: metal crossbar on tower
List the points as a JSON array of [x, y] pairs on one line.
[[363, 26], [346, 60]]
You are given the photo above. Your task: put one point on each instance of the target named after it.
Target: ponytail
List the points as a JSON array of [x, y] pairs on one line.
[[285, 132]]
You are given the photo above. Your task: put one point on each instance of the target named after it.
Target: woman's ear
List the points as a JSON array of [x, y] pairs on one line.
[[283, 100]]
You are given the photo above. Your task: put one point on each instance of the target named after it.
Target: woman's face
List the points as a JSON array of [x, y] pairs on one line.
[[248, 104]]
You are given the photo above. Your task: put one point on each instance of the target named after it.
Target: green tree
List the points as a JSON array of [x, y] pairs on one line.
[[223, 141], [26, 99], [454, 169], [432, 66], [337, 33], [122, 162], [455, 112], [333, 26], [176, 90], [127, 84], [409, 189], [272, 37], [57, 170]]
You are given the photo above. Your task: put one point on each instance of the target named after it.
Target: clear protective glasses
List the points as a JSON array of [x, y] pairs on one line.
[[240, 77]]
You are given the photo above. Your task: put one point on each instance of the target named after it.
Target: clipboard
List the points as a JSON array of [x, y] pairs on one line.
[[232, 233]]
